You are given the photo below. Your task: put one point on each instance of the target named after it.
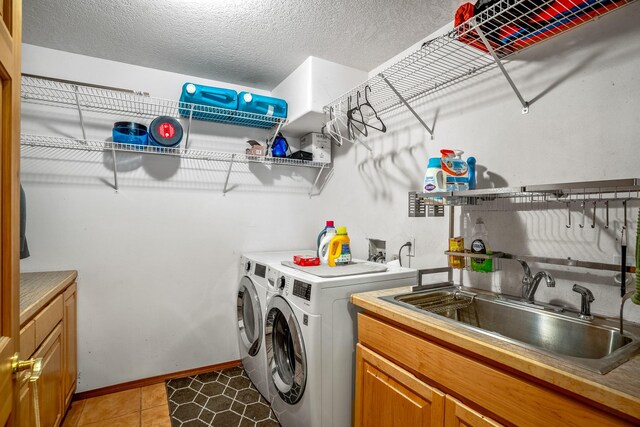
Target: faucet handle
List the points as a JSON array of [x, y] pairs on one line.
[[586, 293]]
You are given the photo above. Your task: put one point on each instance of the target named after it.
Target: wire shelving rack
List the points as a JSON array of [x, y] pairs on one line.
[[479, 44]]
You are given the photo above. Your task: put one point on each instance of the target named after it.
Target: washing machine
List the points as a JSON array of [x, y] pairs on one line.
[[310, 336], [252, 298]]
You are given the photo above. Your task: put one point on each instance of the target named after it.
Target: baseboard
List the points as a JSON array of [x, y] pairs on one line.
[[153, 380]]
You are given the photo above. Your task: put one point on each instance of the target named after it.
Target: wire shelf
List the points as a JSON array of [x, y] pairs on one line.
[[460, 54], [59, 93], [101, 146], [530, 196]]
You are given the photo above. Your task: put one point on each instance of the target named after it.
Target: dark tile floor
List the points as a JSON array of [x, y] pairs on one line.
[[225, 398]]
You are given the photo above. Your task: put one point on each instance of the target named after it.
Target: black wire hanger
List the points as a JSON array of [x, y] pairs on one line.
[[382, 128]]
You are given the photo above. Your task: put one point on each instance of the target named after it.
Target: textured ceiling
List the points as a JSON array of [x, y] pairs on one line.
[[251, 42]]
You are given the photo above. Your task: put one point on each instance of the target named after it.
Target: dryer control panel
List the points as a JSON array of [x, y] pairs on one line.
[[302, 289]]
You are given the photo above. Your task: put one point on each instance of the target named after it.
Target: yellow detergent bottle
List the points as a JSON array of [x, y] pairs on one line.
[[339, 248]]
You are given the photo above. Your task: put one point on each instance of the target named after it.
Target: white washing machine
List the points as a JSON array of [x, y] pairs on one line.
[[310, 335], [252, 299]]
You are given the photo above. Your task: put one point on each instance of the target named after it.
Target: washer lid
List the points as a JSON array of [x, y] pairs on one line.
[[250, 324], [286, 355]]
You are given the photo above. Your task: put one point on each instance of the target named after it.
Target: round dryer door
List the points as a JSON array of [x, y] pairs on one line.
[[286, 355], [249, 316]]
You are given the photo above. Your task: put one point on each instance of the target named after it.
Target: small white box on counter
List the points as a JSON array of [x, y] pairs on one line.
[[318, 145]]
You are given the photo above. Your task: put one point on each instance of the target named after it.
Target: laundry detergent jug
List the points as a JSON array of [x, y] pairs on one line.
[[339, 248], [328, 226]]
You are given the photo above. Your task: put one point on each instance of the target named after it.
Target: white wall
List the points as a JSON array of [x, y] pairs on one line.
[[582, 125], [158, 260]]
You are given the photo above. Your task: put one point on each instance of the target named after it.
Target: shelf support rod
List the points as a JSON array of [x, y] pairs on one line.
[[186, 141], [525, 104], [226, 181], [115, 165], [84, 134], [316, 181], [406, 104]]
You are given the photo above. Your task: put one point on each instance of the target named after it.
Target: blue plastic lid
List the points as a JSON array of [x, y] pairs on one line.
[[434, 162]]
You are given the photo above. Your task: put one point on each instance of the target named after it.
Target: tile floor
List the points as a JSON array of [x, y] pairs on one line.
[[141, 407]]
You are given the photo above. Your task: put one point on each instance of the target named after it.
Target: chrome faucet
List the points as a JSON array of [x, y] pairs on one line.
[[587, 299], [530, 283]]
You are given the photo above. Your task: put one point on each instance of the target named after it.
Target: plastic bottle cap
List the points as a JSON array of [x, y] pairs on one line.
[[330, 224], [191, 88], [341, 230], [447, 153], [434, 162], [247, 97], [471, 161]]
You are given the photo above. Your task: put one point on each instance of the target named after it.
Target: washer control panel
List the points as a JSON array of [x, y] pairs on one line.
[[261, 270], [302, 289]]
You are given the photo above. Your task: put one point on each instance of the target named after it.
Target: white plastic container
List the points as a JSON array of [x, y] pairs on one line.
[[323, 247], [434, 178]]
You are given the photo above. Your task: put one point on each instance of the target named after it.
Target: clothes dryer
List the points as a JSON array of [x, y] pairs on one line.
[[310, 336], [251, 302]]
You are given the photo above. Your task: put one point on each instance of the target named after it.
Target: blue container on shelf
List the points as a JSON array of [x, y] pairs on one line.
[[207, 99], [129, 133], [260, 104]]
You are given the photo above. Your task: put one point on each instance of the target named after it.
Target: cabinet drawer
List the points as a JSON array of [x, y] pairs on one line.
[[28, 340], [487, 387], [48, 318]]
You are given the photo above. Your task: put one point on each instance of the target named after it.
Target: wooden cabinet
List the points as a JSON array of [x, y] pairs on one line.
[[387, 395], [404, 378], [70, 351], [457, 414], [52, 333]]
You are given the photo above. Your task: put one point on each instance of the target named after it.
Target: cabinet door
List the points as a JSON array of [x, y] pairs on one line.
[[50, 381], [387, 395], [457, 414], [25, 402], [69, 341]]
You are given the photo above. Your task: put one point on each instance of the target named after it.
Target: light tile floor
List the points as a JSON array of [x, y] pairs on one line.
[[141, 407]]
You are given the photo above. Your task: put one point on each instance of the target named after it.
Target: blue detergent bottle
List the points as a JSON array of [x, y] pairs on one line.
[[260, 104]]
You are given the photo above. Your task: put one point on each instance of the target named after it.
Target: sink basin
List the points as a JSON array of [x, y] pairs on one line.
[[596, 345]]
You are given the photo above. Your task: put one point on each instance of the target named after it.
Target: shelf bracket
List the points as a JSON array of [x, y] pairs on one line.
[[316, 180], [226, 181], [525, 104], [115, 166], [404, 101], [84, 134], [186, 141]]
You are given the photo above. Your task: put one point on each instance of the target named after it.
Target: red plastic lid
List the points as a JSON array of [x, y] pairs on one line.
[[447, 153], [329, 224]]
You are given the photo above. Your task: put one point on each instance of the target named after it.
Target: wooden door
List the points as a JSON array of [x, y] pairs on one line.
[[50, 394], [457, 414], [10, 39], [387, 395]]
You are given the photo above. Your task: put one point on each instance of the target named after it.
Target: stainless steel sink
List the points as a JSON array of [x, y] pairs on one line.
[[596, 345]]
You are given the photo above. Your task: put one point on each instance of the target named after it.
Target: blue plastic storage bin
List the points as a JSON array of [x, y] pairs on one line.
[[129, 133], [207, 99], [260, 104]]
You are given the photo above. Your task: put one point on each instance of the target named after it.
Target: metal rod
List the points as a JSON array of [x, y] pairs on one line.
[[226, 181], [115, 166], [452, 220], [316, 180], [606, 206], [582, 205], [569, 262], [84, 134], [568, 225], [75, 82], [186, 141], [407, 104], [525, 104], [593, 217]]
